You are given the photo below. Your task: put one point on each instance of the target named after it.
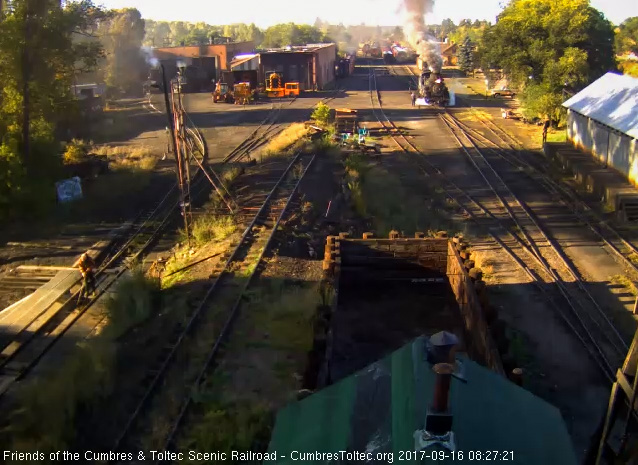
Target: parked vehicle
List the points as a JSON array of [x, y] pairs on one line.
[[502, 93]]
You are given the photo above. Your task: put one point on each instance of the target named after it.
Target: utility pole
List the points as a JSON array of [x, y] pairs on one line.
[[176, 126]]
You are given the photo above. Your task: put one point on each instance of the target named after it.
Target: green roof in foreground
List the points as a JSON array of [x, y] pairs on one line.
[[378, 410]]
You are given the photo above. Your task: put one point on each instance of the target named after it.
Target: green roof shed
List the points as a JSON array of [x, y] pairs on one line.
[[372, 417]]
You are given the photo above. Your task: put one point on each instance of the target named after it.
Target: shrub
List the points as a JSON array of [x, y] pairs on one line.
[[229, 427], [321, 114], [76, 151], [131, 304], [209, 228]]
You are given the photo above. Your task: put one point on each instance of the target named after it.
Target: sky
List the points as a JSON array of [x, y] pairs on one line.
[[371, 12]]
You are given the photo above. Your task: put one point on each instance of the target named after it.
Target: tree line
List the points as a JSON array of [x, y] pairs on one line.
[[548, 49]]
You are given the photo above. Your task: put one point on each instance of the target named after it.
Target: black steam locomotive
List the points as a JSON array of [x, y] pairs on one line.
[[432, 88]]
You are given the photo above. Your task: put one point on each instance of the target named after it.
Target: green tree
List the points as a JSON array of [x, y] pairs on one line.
[[43, 46], [157, 33], [447, 28], [547, 45], [122, 36], [281, 35], [466, 55], [179, 31], [627, 36]]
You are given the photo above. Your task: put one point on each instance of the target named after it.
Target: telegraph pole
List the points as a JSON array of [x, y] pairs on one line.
[[175, 121]]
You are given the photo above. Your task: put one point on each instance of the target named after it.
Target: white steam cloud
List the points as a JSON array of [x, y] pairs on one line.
[[150, 59], [415, 31]]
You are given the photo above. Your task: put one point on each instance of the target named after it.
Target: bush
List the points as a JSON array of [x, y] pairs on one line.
[[212, 228], [131, 304], [47, 419], [629, 67], [76, 151], [540, 102], [321, 114], [229, 427]]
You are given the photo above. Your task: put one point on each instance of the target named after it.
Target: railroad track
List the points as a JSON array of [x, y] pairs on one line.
[[36, 337], [266, 130], [39, 335], [509, 150], [190, 358], [514, 227]]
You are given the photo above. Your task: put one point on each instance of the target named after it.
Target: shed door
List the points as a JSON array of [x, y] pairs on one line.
[[293, 73]]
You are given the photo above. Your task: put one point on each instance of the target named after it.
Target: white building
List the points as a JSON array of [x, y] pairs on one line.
[[603, 119]]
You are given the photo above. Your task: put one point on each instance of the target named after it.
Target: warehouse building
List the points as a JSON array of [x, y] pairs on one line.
[[602, 120], [312, 65], [216, 56]]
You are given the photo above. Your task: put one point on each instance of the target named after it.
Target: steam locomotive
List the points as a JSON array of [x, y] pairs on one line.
[[433, 90]]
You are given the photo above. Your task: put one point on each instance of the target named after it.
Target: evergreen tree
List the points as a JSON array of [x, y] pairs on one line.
[[466, 55]]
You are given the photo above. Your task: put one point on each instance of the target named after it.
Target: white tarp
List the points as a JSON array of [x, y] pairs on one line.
[[69, 189], [611, 100]]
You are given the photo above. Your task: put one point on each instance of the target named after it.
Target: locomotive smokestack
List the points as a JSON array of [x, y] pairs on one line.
[[442, 387], [415, 31]]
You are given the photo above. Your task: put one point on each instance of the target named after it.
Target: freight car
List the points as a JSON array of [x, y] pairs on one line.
[[432, 89]]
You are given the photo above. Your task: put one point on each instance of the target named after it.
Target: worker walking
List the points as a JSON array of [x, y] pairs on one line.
[[545, 129], [86, 265], [413, 96]]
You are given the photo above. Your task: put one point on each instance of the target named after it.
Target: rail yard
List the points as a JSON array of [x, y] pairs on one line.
[[334, 258]]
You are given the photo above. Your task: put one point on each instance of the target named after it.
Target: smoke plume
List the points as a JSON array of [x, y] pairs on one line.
[[415, 31]]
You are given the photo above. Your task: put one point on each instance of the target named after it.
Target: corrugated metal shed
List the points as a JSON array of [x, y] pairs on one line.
[[611, 100], [378, 410]]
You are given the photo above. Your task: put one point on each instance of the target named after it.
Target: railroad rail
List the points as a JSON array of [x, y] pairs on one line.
[[265, 131], [507, 148], [37, 336], [591, 326], [210, 323], [23, 351]]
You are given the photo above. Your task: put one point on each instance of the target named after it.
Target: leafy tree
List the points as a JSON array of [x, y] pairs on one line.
[[179, 31], [547, 45], [321, 114], [158, 33], [627, 36], [447, 28], [122, 36], [42, 48], [466, 55], [291, 34]]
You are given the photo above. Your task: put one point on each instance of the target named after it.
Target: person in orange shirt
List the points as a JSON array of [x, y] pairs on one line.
[[87, 266]]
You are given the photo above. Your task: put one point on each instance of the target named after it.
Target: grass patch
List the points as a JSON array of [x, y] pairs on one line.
[[50, 409], [131, 304], [625, 282], [227, 427], [230, 174], [285, 139], [556, 136], [284, 316], [212, 228], [404, 210], [127, 157], [485, 263]]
